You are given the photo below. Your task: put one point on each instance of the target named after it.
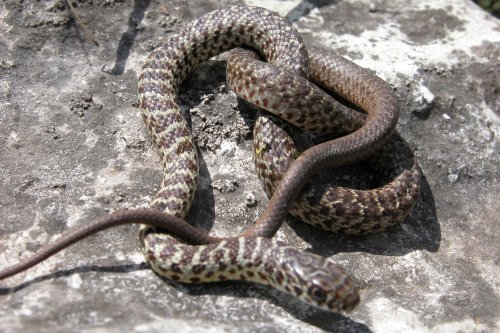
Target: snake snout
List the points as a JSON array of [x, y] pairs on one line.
[[329, 286], [342, 291], [351, 301]]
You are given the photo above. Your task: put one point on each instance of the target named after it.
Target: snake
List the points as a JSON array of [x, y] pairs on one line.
[[179, 251], [328, 207]]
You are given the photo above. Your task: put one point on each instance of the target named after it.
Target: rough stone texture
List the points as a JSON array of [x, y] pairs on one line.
[[73, 146]]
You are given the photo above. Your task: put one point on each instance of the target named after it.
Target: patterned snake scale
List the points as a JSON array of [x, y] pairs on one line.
[[283, 171]]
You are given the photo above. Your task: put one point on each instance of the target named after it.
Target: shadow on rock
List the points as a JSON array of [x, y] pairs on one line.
[[128, 37], [77, 270], [305, 7], [325, 320]]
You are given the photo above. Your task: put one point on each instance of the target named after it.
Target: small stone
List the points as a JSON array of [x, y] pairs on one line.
[[250, 199], [4, 64], [225, 186], [205, 99], [453, 177], [87, 97]]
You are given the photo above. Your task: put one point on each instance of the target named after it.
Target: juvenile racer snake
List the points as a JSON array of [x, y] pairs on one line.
[[251, 255]]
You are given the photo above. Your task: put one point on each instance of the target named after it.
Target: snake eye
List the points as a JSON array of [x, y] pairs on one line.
[[317, 294]]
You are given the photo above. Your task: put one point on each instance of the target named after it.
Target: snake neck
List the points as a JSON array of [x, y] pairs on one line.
[[232, 259]]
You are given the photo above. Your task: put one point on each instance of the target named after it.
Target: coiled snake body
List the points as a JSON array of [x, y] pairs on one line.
[[283, 171]]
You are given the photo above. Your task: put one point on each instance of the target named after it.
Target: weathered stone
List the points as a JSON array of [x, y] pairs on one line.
[[438, 271]]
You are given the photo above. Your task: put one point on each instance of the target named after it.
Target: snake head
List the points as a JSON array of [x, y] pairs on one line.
[[322, 283]]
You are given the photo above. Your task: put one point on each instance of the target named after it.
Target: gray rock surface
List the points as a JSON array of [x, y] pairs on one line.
[[73, 146]]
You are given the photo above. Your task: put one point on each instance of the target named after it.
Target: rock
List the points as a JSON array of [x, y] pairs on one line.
[[436, 272]]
